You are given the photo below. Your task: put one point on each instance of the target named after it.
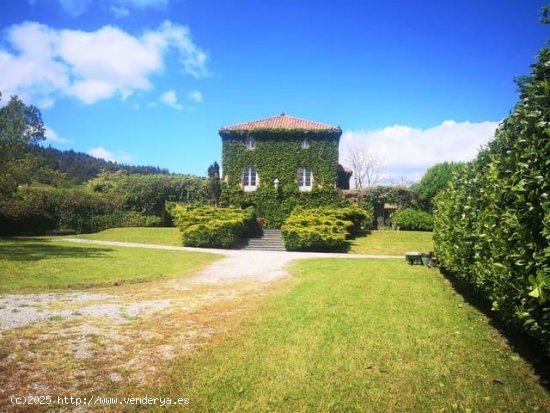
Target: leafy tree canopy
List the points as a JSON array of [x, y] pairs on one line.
[[434, 181], [20, 126]]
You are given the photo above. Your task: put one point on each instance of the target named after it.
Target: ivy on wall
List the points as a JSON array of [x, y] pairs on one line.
[[277, 155]]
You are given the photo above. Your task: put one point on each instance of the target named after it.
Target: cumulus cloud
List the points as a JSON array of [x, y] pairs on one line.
[[53, 137], [170, 98], [406, 152], [43, 64], [195, 96], [119, 157]]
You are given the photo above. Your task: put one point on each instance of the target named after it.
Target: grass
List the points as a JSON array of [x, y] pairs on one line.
[[378, 242], [160, 236], [355, 336], [392, 242], [38, 264]]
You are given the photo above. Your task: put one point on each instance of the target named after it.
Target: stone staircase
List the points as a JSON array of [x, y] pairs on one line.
[[271, 240]]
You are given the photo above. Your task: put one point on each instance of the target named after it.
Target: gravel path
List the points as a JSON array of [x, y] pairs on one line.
[[260, 266]]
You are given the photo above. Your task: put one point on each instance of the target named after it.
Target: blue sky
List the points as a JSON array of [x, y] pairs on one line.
[[150, 81]]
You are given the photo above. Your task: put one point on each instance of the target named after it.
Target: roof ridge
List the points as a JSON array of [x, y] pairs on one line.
[[282, 121]]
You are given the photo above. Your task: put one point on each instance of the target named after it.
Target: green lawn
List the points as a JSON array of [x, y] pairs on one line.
[[161, 236], [378, 242], [392, 242], [35, 264], [357, 336]]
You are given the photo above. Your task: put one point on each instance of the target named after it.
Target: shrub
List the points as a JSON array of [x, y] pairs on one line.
[[412, 220], [492, 222], [124, 219], [213, 227], [323, 229], [359, 218], [39, 210], [148, 194], [314, 232], [275, 206]]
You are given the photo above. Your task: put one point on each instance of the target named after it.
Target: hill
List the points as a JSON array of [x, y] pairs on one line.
[[79, 167]]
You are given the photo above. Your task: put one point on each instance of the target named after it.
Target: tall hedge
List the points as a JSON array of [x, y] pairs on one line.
[[148, 194], [492, 224], [39, 210]]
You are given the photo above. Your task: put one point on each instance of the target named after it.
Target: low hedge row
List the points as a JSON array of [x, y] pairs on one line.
[[323, 229], [213, 227], [413, 220]]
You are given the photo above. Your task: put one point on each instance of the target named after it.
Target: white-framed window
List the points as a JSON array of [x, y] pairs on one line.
[[305, 179], [250, 178], [249, 143], [305, 143]]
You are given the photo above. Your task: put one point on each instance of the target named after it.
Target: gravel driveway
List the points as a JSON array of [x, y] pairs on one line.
[[83, 342]]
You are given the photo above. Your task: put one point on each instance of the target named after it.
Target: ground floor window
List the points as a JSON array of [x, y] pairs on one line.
[[250, 179], [304, 179]]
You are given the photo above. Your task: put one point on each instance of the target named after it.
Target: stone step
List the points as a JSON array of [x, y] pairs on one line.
[[264, 248], [264, 244], [271, 240]]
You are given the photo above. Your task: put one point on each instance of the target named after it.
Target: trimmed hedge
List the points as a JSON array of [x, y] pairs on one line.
[[360, 218], [306, 231], [413, 220], [323, 229], [492, 223], [35, 211], [213, 227]]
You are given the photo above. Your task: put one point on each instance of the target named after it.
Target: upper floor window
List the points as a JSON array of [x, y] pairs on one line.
[[250, 179], [304, 179], [249, 143], [305, 143]]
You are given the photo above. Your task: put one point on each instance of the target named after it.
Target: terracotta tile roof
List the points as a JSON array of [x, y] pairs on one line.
[[281, 121]]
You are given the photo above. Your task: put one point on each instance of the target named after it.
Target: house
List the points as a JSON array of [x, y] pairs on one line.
[[282, 152]]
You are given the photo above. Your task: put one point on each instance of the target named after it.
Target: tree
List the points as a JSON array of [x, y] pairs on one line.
[[365, 163], [434, 181], [214, 184], [20, 127]]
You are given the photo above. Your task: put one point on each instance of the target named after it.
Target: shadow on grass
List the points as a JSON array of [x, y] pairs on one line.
[[527, 347], [27, 250]]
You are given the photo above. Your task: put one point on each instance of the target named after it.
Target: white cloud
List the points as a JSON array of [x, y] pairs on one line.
[[170, 98], [53, 137], [406, 152], [195, 96], [101, 152], [44, 64]]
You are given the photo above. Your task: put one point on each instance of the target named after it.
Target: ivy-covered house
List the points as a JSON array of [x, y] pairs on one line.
[[281, 150], [279, 162]]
